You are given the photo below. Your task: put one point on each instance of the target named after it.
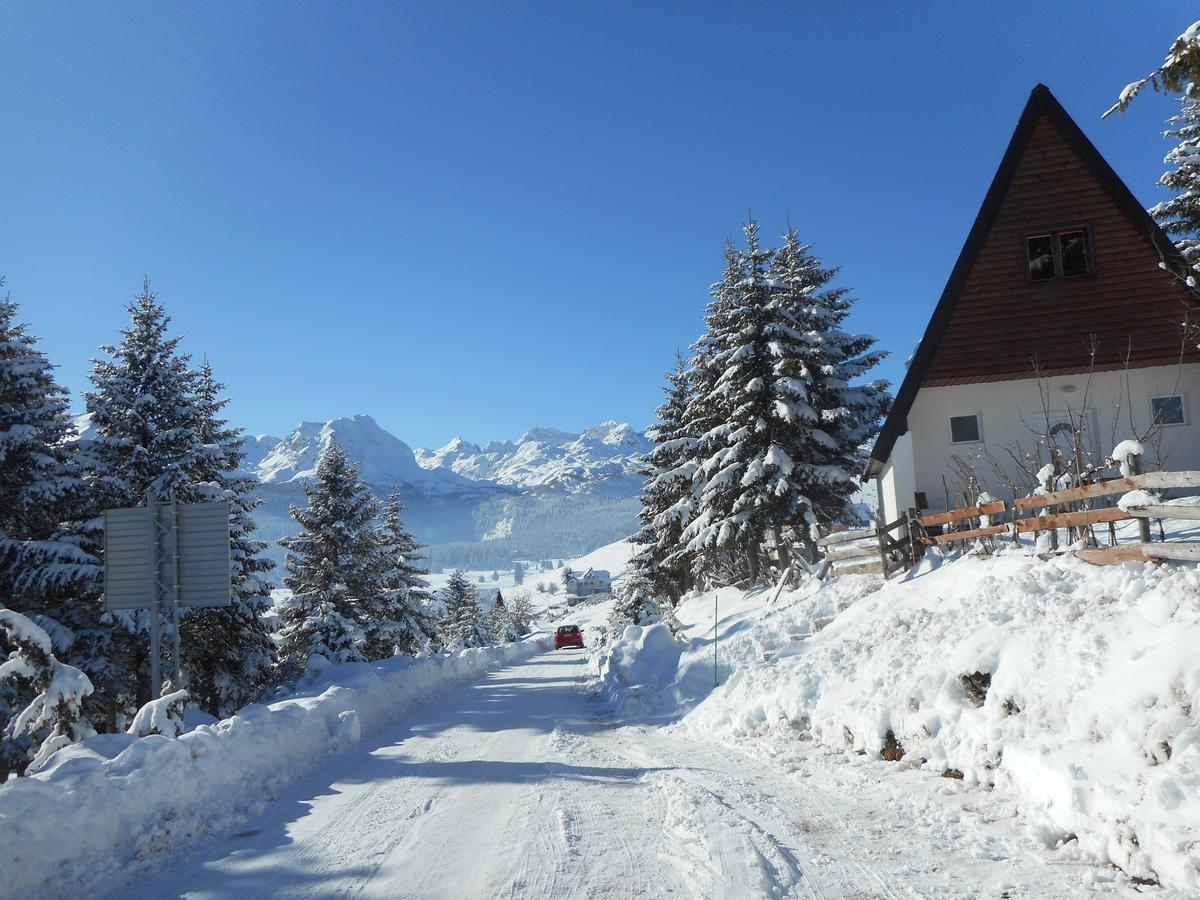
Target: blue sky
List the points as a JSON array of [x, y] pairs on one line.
[[470, 218]]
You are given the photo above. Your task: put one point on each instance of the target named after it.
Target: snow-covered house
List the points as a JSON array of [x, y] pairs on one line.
[[589, 583], [1066, 302]]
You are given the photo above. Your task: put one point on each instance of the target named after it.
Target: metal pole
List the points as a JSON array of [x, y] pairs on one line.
[[155, 652], [178, 681], [716, 679]]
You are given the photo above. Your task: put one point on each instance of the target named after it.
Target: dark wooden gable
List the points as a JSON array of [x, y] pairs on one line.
[[992, 324]]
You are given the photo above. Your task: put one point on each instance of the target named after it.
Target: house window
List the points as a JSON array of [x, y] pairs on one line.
[[1168, 410], [964, 429], [1058, 254]]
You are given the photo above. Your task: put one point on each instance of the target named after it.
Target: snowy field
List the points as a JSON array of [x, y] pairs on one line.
[[982, 727]]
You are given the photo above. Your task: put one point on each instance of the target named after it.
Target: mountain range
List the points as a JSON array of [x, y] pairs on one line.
[[547, 494]]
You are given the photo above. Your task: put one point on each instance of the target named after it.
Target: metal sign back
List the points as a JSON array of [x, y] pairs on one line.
[[135, 546]]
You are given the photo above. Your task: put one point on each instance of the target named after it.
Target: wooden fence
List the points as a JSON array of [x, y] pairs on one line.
[[887, 548]]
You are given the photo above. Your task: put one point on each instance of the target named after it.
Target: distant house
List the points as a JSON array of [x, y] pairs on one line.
[[589, 583], [1065, 305]]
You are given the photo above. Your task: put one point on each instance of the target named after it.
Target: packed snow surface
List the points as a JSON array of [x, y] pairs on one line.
[[1068, 690], [101, 807]]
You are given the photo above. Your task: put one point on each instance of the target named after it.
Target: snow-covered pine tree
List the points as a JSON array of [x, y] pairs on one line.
[[825, 413], [400, 620], [778, 372], [228, 655], [666, 500], [463, 624], [50, 536], [634, 603], [1180, 216], [54, 717], [143, 414], [500, 624], [333, 565], [40, 483], [737, 464]]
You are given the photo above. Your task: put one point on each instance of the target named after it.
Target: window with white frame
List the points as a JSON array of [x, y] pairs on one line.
[[1168, 410], [965, 429]]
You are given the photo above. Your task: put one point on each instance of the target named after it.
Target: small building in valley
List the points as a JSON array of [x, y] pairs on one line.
[[1068, 324], [589, 583]]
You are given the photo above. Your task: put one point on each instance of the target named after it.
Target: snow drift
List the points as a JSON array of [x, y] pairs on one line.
[[101, 806], [1074, 689]]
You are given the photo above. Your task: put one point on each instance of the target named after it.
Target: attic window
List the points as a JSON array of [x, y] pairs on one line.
[[1058, 254], [964, 429]]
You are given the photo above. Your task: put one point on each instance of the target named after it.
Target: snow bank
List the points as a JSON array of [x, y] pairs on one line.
[[1073, 689], [101, 806]]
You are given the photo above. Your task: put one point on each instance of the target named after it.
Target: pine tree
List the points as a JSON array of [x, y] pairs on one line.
[[333, 565], [50, 533], [144, 415], [500, 624], [463, 624], [401, 621], [666, 500], [41, 486], [778, 425], [227, 651], [731, 479], [634, 604], [830, 412], [143, 410], [1180, 216], [54, 717]]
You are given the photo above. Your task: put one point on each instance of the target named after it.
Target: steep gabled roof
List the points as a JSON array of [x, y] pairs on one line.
[[1041, 105]]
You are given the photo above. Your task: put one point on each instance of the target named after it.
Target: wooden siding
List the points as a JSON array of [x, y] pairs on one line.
[[1002, 322]]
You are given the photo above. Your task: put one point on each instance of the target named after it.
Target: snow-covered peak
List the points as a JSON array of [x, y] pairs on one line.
[[541, 435], [385, 459], [546, 457]]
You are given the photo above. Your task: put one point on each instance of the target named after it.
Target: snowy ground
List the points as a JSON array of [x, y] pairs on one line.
[[522, 785], [539, 780]]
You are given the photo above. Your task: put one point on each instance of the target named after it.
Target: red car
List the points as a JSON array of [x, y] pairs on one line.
[[568, 636]]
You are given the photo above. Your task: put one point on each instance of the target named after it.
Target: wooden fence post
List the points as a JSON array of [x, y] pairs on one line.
[[1135, 468]]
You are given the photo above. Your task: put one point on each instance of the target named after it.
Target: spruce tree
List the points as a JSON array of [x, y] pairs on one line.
[[41, 486], [731, 479], [227, 651], [144, 415], [54, 716], [634, 604], [831, 414], [400, 620], [500, 624], [463, 624], [780, 424], [50, 533], [143, 410], [666, 499], [1180, 216], [333, 565]]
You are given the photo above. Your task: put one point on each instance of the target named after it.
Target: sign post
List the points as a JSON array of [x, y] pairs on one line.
[[172, 554]]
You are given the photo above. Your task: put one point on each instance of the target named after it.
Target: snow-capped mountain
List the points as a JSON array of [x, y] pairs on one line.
[[546, 457], [550, 493], [384, 458]]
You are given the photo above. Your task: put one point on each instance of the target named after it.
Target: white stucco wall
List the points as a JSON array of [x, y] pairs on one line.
[[897, 482], [1009, 410]]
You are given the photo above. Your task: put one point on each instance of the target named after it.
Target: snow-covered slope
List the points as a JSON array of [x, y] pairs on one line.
[[546, 457], [1067, 691]]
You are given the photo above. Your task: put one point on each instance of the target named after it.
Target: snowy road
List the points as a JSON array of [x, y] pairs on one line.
[[517, 786]]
